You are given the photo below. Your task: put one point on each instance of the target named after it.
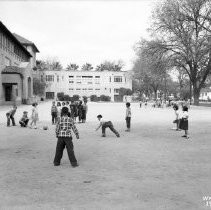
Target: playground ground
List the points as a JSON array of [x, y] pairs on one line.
[[152, 167]]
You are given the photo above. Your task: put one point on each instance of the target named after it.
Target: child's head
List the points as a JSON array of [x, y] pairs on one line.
[[127, 104], [185, 109], [53, 103], [14, 107], [25, 113], [175, 107], [64, 111], [99, 116], [34, 104]]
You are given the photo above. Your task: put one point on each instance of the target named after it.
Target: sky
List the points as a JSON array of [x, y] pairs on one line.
[[80, 31]]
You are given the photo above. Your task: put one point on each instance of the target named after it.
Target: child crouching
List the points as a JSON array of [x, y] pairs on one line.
[[24, 120]]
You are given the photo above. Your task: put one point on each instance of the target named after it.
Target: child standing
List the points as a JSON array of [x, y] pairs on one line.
[[10, 115], [128, 116], [63, 132], [54, 112], [184, 122], [176, 121], [24, 120], [106, 124], [34, 116], [84, 111]]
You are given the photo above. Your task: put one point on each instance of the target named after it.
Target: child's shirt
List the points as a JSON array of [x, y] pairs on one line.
[[11, 112], [128, 112], [24, 117], [103, 121], [54, 109], [185, 115], [64, 126], [177, 114]]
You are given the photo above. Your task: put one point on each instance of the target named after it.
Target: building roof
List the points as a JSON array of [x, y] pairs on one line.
[[25, 41], [4, 28], [12, 70]]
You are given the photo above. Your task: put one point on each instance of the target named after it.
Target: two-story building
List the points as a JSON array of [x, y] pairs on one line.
[[86, 83], [16, 63]]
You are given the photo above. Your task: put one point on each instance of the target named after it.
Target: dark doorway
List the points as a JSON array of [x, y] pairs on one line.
[[8, 92]]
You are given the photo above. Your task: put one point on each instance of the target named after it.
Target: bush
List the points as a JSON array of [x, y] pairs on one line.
[[75, 97], [105, 98], [67, 98], [94, 98], [60, 96], [85, 98]]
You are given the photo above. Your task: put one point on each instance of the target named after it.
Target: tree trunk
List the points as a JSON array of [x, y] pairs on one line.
[[196, 94]]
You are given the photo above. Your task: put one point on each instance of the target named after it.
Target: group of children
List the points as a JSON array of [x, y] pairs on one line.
[[75, 110], [181, 120], [24, 119], [66, 123]]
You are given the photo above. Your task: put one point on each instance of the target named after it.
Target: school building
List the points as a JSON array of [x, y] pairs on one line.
[[86, 83], [17, 60]]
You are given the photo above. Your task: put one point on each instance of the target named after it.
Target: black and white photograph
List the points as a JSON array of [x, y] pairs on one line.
[[105, 104]]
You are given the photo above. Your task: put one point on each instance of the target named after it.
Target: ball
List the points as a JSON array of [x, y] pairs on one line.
[[45, 127]]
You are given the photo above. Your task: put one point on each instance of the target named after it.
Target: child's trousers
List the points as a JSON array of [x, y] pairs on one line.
[[109, 124], [128, 119], [8, 120], [61, 143]]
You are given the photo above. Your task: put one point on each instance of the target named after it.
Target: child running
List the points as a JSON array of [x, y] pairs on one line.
[[128, 116], [63, 132], [184, 122], [106, 124], [10, 116], [24, 119]]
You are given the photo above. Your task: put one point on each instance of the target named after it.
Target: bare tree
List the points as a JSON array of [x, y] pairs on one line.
[[182, 28]]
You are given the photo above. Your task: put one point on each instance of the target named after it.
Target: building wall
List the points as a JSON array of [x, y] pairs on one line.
[[86, 83]]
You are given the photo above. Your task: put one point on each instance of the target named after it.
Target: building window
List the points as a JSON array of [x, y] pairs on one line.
[[49, 95], [71, 81], [110, 79], [116, 91], [71, 89], [49, 78], [7, 61], [78, 89], [57, 78], [97, 89], [118, 79]]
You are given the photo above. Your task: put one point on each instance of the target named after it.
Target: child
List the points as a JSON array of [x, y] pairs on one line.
[[54, 112], [176, 121], [34, 116], [63, 133], [10, 115], [24, 120], [184, 122], [128, 116], [84, 111], [106, 124]]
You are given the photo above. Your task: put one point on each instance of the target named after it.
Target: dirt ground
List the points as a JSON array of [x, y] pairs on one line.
[[152, 167]]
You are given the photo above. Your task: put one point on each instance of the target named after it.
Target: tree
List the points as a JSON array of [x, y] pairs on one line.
[[150, 70], [87, 67], [110, 66], [72, 67], [49, 64], [38, 87], [182, 28]]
